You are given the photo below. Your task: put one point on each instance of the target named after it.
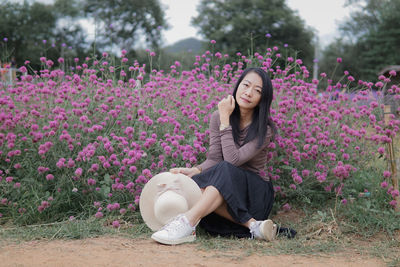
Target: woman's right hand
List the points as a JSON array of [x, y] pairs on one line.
[[225, 108], [186, 171]]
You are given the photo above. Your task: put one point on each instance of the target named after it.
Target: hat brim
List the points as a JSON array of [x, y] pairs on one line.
[[190, 190]]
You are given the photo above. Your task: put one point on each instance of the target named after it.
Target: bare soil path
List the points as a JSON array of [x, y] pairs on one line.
[[119, 251]]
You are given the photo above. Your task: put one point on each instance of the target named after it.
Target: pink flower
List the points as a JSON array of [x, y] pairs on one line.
[[297, 179], [339, 60], [98, 214], [305, 173], [213, 41], [286, 207], [49, 177], [23, 69], [78, 172], [344, 201], [392, 73], [116, 224], [395, 193], [384, 184], [387, 174]]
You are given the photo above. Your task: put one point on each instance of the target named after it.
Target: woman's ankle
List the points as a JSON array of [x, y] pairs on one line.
[[192, 220], [248, 223]]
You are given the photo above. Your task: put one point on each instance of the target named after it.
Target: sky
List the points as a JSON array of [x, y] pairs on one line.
[[322, 15]]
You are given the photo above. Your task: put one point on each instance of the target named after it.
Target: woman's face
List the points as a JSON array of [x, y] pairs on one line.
[[248, 94]]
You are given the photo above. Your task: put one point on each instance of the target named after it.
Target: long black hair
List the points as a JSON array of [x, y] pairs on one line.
[[261, 115]]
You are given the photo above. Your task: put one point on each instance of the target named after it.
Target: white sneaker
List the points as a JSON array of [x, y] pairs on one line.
[[266, 230], [176, 232]]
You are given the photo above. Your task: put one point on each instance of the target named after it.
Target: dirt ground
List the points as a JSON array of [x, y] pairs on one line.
[[119, 251]]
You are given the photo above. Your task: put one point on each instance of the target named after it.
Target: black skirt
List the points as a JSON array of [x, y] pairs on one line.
[[247, 196]]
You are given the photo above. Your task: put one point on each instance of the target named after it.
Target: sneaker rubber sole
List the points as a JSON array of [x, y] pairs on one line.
[[268, 229], [185, 239]]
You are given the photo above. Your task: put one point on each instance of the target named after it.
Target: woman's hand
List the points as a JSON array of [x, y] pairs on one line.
[[186, 171], [225, 108]]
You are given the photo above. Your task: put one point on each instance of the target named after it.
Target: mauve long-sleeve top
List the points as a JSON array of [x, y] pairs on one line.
[[223, 147]]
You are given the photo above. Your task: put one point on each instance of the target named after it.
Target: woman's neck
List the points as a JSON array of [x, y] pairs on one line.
[[246, 116]]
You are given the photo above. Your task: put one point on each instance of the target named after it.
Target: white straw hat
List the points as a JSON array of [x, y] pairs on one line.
[[165, 196]]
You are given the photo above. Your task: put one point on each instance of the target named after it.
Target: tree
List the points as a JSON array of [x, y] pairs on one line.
[[371, 38], [125, 22], [239, 25], [16, 24], [37, 29]]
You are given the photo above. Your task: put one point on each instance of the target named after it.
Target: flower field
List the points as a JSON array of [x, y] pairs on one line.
[[83, 142]]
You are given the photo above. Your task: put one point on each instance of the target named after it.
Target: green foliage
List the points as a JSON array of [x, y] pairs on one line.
[[123, 22], [370, 38], [366, 209], [239, 25], [16, 22], [26, 42], [58, 32]]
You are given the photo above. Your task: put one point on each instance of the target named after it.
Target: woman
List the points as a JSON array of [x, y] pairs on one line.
[[236, 197]]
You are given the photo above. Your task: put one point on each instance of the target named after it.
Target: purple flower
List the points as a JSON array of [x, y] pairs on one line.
[[387, 174], [286, 207], [78, 172], [116, 224], [395, 193], [268, 35]]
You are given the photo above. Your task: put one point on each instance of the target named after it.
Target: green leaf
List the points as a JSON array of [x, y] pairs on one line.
[[286, 167]]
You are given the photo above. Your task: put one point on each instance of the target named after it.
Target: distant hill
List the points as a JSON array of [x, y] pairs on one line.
[[186, 45]]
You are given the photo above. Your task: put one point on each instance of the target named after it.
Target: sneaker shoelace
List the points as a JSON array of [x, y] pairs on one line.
[[255, 229], [175, 224]]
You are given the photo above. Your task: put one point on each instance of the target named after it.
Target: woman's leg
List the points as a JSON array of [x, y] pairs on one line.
[[222, 211], [211, 201]]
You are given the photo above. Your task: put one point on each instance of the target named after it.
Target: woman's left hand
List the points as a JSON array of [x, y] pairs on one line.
[[186, 171]]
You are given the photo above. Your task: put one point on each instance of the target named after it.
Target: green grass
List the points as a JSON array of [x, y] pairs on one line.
[[76, 229], [320, 232]]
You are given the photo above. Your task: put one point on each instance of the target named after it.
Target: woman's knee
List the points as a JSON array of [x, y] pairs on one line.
[[225, 164]]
